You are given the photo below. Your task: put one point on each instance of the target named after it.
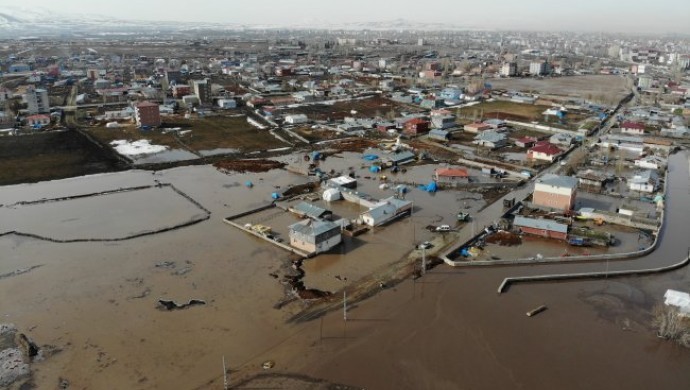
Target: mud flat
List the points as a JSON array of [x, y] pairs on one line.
[[576, 86]]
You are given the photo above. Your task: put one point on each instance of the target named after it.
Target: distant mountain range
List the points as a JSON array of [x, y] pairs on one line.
[[18, 22]]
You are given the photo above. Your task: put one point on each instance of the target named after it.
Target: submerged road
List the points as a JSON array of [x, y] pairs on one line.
[[673, 241]]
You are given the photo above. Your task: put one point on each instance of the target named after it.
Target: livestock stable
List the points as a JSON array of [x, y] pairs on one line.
[[541, 227]]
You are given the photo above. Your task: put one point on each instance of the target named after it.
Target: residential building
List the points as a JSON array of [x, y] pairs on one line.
[[541, 227], [451, 175], [591, 181], [431, 103], [202, 89], [451, 94], [343, 181], [544, 151], [509, 69], [227, 103], [18, 68], [632, 128], [181, 90], [443, 121], [38, 120], [562, 139], [439, 135], [314, 236], [554, 191], [526, 142], [651, 162], [538, 68], [386, 211], [645, 181], [308, 210], [36, 100], [416, 126], [400, 158], [496, 123], [491, 139], [147, 114], [476, 127]]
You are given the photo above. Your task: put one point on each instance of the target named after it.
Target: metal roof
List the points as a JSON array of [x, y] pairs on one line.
[[544, 224], [309, 210], [313, 228], [558, 181]]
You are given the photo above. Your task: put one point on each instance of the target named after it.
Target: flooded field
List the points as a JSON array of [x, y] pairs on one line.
[[97, 302], [109, 216]]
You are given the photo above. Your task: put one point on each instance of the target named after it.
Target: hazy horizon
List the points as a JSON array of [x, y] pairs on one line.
[[663, 16]]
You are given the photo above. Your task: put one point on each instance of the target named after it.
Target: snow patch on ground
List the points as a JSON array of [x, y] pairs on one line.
[[137, 148]]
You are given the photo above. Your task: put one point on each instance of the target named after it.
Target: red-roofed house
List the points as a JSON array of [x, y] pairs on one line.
[[526, 142], [416, 126], [147, 114], [38, 120], [544, 151], [451, 175], [634, 128]]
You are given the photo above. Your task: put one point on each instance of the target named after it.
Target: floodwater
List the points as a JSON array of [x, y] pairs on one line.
[[97, 302], [166, 156]]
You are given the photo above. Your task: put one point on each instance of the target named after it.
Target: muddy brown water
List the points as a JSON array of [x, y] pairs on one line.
[[448, 330]]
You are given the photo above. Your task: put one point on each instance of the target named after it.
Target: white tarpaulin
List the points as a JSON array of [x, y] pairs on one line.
[[679, 299]]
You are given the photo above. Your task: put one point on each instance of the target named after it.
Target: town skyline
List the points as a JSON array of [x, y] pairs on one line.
[[667, 16]]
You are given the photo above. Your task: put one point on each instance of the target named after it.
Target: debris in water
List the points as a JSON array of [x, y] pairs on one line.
[[172, 305]]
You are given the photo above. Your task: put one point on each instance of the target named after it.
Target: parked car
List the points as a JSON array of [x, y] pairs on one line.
[[425, 245], [443, 228]]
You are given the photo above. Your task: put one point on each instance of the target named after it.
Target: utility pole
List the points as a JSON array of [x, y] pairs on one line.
[[344, 305], [423, 260], [225, 376]]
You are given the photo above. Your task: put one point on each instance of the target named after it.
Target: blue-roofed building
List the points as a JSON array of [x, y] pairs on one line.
[[451, 94], [314, 236]]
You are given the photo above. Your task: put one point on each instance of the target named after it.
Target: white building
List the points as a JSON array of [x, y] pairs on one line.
[[509, 69], [386, 211], [227, 103], [36, 100], [645, 181], [538, 68], [651, 162], [296, 119]]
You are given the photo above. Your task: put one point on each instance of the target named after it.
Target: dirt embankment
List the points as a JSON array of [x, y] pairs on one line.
[[249, 165]]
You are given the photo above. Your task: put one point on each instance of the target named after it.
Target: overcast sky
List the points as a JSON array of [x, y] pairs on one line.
[[586, 15]]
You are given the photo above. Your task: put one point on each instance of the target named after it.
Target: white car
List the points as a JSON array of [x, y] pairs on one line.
[[425, 245], [443, 228]]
